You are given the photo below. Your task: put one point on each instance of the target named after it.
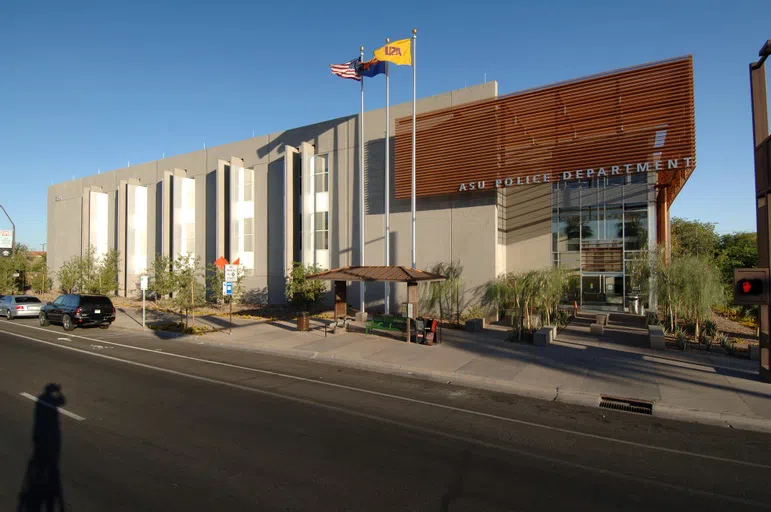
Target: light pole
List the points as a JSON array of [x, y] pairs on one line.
[[762, 148], [13, 236]]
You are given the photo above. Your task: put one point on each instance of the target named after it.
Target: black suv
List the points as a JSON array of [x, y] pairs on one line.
[[78, 310]]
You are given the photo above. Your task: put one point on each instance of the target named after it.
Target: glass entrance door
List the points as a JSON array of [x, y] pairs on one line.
[[602, 290]]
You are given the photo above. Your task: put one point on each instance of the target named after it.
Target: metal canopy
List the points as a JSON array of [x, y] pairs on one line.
[[391, 274]]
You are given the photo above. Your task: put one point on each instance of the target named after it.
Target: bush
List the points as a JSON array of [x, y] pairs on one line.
[[475, 311], [303, 292], [710, 328], [446, 296], [728, 344], [705, 340], [681, 338]]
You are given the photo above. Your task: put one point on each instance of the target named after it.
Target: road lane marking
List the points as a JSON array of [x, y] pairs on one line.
[[63, 411], [63, 339], [395, 397], [426, 430]]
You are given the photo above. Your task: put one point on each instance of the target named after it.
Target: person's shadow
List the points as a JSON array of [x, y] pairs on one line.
[[42, 486]]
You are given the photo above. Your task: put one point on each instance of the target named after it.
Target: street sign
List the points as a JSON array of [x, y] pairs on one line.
[[5, 253], [231, 273], [143, 282], [751, 286], [227, 289], [6, 239]]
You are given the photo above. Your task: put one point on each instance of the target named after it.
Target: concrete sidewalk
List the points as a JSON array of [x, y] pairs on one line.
[[577, 368]]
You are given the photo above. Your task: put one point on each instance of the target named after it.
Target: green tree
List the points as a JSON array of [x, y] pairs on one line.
[[691, 237], [215, 277], [69, 275], [447, 296], [161, 277], [737, 250], [105, 280], [301, 291], [189, 288]]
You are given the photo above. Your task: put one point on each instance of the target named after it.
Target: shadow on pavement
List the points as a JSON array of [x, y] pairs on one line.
[[42, 486]]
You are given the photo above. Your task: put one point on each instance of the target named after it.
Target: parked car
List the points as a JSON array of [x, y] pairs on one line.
[[15, 306], [74, 310]]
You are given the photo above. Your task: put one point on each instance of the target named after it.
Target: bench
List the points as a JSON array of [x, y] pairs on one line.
[[543, 336], [386, 323], [656, 337]]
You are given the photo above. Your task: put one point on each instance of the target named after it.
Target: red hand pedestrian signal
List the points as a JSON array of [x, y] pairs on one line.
[[746, 287]]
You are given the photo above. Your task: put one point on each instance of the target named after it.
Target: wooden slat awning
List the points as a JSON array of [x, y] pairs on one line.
[[391, 274]]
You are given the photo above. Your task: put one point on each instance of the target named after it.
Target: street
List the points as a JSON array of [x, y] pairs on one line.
[[152, 424]]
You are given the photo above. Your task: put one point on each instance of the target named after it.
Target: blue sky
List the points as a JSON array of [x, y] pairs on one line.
[[91, 85]]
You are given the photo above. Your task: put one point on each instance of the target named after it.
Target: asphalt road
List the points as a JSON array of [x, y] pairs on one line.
[[151, 424]]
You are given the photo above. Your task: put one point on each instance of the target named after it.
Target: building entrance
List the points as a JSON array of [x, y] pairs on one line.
[[605, 291]]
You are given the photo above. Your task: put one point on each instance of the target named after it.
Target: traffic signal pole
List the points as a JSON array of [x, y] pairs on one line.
[[762, 147]]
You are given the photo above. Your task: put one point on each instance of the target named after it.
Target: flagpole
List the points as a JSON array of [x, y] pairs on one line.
[[387, 185], [362, 289], [414, 44]]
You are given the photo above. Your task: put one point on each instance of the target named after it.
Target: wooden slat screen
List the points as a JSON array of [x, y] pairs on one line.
[[600, 121]]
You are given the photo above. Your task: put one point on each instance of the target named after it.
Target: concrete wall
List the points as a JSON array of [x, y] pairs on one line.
[[458, 227]]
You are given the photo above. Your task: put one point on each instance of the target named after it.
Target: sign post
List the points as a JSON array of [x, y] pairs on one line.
[[143, 285], [227, 291], [6, 243]]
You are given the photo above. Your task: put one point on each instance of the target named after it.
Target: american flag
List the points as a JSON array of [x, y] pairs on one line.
[[346, 70]]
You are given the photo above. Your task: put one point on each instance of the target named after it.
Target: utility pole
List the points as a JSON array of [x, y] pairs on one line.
[[762, 147]]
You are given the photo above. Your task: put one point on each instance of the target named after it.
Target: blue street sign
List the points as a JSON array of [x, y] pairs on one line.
[[228, 288]]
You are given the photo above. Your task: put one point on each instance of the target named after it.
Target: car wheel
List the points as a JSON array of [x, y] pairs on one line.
[[104, 326], [44, 320], [8, 314], [67, 323]]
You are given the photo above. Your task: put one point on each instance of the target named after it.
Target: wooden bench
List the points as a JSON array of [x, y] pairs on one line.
[[656, 337]]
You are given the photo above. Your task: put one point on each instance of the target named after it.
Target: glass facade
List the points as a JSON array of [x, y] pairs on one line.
[[597, 226]]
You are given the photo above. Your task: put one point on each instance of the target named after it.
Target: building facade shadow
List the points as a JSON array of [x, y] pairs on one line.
[[42, 487]]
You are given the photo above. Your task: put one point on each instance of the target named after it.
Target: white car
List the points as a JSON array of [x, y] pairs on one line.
[[15, 306]]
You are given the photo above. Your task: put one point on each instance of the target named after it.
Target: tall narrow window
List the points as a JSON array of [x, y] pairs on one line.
[[98, 222], [321, 174], [183, 216], [242, 218], [136, 229], [321, 230]]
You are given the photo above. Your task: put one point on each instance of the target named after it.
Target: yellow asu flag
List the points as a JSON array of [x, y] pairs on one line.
[[399, 52]]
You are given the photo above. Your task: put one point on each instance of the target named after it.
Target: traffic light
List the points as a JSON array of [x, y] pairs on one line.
[[751, 286]]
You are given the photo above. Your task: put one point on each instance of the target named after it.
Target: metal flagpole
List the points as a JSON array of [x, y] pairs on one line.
[[414, 44], [362, 288], [387, 192]]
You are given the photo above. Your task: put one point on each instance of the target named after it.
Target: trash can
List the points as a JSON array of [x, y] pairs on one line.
[[303, 321], [634, 304]]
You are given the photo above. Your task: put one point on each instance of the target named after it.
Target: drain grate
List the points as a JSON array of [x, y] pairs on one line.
[[626, 404]]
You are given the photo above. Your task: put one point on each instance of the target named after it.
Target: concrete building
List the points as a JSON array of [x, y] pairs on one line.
[[580, 174]]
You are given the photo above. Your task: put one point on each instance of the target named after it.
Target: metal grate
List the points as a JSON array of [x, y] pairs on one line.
[[626, 404]]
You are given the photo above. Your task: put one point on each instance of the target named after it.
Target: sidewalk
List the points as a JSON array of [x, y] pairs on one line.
[[577, 368]]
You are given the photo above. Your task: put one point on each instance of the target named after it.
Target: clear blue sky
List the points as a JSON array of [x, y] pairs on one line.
[[90, 85]]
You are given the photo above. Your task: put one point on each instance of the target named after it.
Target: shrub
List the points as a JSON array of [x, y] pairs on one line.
[[681, 338], [475, 311], [710, 328], [728, 344], [447, 295], [705, 340], [299, 290]]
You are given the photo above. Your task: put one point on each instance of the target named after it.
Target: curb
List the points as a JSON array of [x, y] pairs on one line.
[[566, 396]]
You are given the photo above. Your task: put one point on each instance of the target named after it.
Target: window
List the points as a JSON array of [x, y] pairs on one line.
[[591, 224], [60, 300], [569, 231], [23, 300], [321, 230], [321, 174], [635, 230], [613, 223], [248, 235], [640, 177]]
